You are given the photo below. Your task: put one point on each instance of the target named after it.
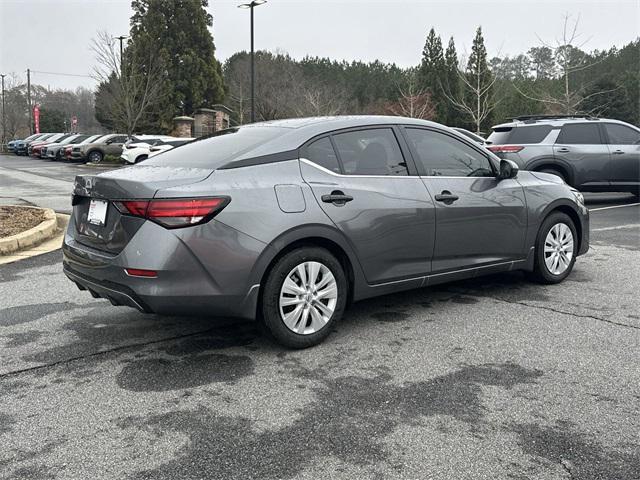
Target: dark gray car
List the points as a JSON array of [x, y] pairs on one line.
[[590, 154], [290, 221]]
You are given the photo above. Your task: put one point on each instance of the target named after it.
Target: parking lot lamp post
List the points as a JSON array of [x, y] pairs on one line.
[[251, 6], [4, 119], [121, 38]]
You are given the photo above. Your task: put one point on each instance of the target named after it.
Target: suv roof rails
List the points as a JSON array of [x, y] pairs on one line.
[[551, 117]]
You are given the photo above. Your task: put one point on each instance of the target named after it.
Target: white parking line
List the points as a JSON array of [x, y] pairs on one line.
[[614, 206], [629, 225]]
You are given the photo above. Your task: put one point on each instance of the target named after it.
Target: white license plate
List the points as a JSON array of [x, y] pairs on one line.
[[97, 212]]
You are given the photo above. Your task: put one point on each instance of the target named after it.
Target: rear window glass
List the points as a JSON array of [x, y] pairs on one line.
[[500, 135], [321, 153], [215, 151], [579, 134]]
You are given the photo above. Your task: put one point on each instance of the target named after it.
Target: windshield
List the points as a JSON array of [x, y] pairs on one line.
[[218, 149]]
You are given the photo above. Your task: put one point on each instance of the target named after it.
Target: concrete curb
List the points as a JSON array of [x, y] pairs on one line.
[[29, 238], [102, 165]]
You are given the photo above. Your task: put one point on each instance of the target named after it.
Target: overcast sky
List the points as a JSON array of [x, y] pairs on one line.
[[54, 35]]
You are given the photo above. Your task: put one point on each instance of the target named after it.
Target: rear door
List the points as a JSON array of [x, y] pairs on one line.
[[581, 147], [480, 220], [114, 145], [624, 146], [365, 185]]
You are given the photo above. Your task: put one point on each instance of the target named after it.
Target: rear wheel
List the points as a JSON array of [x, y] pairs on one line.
[[556, 249], [304, 295], [95, 156], [555, 172]]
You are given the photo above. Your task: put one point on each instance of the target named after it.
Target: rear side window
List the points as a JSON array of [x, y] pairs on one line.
[[500, 135], [442, 155], [370, 152], [621, 134], [215, 151], [321, 153], [530, 134], [580, 134]]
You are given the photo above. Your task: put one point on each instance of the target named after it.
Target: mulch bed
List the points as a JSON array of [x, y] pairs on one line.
[[14, 220]]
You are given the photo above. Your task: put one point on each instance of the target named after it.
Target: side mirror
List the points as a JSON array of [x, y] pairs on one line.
[[508, 169]]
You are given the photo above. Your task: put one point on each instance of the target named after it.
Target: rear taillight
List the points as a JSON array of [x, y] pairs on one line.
[[174, 213], [505, 148], [138, 272]]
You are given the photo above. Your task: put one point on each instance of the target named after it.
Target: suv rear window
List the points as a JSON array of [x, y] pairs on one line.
[[580, 134], [525, 134], [214, 151]]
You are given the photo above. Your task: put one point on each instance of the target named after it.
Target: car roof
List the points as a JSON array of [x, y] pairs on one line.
[[296, 131], [553, 121]]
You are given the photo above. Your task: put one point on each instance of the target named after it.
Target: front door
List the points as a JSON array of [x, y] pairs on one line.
[[580, 146], [369, 193], [480, 220], [624, 147]]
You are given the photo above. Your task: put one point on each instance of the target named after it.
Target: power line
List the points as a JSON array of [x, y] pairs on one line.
[[62, 74]]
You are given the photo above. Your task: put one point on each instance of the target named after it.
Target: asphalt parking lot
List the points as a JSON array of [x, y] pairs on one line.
[[490, 378]]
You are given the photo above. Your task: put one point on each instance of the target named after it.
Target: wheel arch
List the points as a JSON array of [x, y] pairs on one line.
[[554, 164], [565, 206]]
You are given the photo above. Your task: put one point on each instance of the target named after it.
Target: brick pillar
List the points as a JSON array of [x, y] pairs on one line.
[[182, 127]]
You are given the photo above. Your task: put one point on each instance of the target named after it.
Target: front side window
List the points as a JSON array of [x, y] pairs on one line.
[[321, 153], [370, 152], [442, 155], [579, 134], [621, 134]]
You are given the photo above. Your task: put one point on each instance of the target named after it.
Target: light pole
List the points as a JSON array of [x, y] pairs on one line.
[[4, 120], [251, 6], [121, 38]]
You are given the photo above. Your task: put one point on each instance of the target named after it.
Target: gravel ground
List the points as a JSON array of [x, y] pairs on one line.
[[14, 220]]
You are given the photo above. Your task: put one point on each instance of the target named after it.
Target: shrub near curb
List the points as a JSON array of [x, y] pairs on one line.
[[29, 238]]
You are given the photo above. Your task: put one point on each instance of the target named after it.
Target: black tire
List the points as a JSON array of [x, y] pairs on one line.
[[555, 172], [270, 307], [541, 272], [95, 156], [141, 158]]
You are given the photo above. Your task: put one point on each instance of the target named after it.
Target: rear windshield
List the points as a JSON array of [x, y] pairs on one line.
[[216, 150], [528, 134]]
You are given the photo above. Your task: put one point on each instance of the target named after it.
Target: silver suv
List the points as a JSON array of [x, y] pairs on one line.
[[590, 154]]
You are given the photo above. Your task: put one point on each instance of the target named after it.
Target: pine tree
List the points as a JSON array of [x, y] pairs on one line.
[[432, 73], [452, 83], [179, 30], [479, 83]]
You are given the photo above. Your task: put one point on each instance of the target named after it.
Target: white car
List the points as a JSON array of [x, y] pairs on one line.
[[138, 150], [167, 145]]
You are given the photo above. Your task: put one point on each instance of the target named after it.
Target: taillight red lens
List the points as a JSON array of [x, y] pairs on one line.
[[138, 272], [505, 148], [180, 212]]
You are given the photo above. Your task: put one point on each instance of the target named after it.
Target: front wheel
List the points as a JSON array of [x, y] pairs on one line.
[[95, 157], [304, 295], [556, 249]]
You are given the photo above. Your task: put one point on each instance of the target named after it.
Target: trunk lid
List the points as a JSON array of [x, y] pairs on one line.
[[139, 182]]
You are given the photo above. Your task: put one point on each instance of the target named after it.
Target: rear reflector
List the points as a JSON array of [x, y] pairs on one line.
[[138, 272], [174, 213], [505, 148]]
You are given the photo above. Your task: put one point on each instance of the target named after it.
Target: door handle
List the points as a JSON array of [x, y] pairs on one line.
[[563, 150], [337, 198], [618, 152], [446, 197]]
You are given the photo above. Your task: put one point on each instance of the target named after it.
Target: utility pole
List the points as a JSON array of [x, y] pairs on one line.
[[4, 119], [29, 101], [121, 38]]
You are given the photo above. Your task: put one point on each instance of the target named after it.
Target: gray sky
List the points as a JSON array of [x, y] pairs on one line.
[[54, 35]]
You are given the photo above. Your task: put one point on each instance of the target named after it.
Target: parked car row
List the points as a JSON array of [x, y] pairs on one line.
[[93, 148]]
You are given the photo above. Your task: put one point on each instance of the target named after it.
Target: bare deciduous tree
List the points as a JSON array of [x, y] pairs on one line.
[[413, 101], [130, 85], [570, 59]]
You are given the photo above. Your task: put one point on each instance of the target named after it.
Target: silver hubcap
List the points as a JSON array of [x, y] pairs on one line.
[[558, 248], [308, 298]]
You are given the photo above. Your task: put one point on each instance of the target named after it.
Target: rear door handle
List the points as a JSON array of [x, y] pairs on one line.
[[563, 150], [446, 197], [618, 152], [337, 198]]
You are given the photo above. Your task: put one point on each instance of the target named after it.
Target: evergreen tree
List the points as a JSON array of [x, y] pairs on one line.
[[179, 31], [452, 83], [432, 73], [479, 95]]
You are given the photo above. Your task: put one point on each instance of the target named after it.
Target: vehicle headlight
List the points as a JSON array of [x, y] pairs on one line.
[[578, 196]]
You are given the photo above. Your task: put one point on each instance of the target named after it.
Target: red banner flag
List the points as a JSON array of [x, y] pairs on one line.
[[36, 117]]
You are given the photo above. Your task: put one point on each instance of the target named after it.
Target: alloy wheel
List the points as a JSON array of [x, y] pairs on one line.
[[558, 249], [308, 298]]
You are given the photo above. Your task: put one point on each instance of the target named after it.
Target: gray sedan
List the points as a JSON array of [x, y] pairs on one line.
[[290, 221]]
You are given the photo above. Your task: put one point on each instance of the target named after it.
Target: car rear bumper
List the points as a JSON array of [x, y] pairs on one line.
[[183, 285]]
